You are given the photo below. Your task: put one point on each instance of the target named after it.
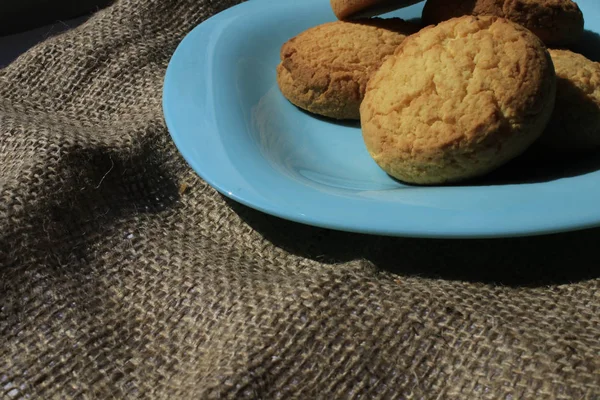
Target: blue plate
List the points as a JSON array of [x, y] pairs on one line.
[[227, 117]]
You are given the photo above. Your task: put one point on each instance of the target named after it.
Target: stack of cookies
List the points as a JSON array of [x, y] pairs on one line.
[[473, 86]]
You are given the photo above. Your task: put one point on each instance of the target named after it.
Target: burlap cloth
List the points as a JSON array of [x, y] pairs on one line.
[[117, 281]]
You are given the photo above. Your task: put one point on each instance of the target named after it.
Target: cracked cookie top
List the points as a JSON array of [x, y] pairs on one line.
[[556, 22], [457, 100], [325, 69]]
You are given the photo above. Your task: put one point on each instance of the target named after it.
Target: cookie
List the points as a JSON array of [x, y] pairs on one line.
[[458, 100], [575, 123], [556, 22], [346, 9], [325, 69]]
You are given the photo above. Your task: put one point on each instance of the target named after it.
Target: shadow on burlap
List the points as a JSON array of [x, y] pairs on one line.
[[115, 282]]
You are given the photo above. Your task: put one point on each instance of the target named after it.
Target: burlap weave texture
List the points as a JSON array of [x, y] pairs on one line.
[[123, 275]]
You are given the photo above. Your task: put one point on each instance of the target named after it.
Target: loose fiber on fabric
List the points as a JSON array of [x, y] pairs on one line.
[[124, 275]]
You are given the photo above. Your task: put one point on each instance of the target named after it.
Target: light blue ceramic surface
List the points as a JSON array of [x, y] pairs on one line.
[[233, 126]]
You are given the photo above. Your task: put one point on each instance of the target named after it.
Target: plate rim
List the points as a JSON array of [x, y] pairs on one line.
[[180, 141]]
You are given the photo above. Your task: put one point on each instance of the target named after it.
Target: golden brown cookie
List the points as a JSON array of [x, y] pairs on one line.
[[458, 100], [575, 122], [346, 9], [556, 22], [325, 69]]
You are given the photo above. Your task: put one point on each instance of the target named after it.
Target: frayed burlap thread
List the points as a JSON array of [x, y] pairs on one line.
[[124, 275]]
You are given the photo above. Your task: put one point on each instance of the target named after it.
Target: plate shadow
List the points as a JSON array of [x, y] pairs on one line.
[[517, 262]]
